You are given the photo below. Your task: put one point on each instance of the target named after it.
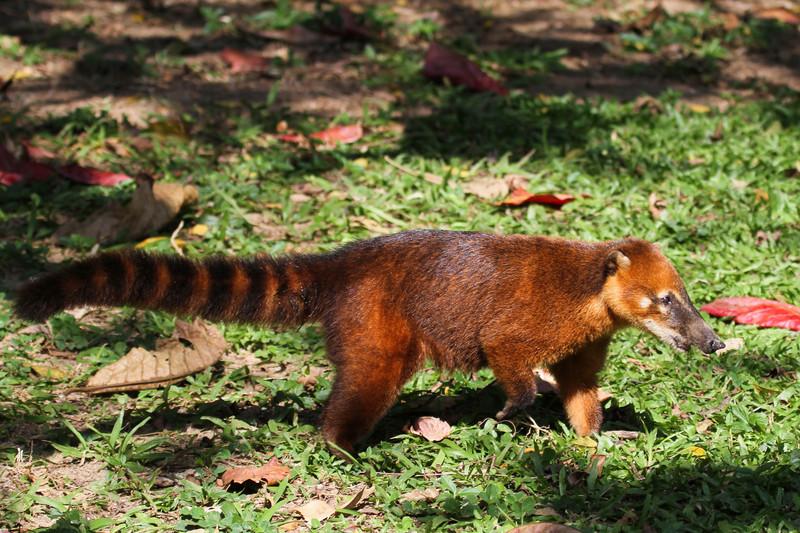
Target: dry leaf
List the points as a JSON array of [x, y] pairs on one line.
[[702, 427], [358, 498], [273, 473], [429, 495], [171, 361], [544, 527], [623, 434], [315, 509], [152, 206], [487, 188], [598, 460], [734, 343], [656, 206], [431, 428], [49, 371]]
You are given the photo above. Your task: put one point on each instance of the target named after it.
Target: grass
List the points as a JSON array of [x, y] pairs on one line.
[[717, 448]]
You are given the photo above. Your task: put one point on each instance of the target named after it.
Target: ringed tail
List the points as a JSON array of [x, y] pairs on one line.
[[262, 289]]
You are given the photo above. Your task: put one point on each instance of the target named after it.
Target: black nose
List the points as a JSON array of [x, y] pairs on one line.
[[714, 345]]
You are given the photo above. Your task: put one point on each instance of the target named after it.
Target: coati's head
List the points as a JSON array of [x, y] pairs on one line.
[[644, 289]]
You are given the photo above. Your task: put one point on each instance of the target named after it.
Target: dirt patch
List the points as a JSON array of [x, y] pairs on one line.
[[119, 56]]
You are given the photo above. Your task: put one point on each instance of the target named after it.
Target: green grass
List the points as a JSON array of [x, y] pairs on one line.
[[159, 452]]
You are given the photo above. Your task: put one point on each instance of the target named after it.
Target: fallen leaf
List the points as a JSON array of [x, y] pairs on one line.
[[585, 442], [487, 188], [244, 62], [315, 509], [522, 197], [358, 498], [171, 361], [756, 311], [699, 108], [418, 495], [91, 176], [544, 527], [31, 151], [734, 343], [702, 426], [697, 451], [656, 206], [152, 206], [441, 62], [598, 460], [431, 428], [169, 127], [623, 434], [342, 134], [49, 371], [273, 473], [13, 170], [780, 14], [545, 381]]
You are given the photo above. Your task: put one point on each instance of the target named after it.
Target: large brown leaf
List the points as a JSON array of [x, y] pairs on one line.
[[152, 206], [273, 473], [171, 361]]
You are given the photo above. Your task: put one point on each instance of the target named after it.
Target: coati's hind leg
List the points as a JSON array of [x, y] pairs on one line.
[[371, 372], [577, 385], [518, 381]]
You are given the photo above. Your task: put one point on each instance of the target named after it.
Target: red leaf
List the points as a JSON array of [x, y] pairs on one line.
[[756, 311], [244, 62], [522, 197], [273, 473], [29, 151], [441, 62], [12, 170], [91, 176], [342, 134]]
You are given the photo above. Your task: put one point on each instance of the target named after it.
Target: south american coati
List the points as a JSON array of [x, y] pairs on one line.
[[463, 299]]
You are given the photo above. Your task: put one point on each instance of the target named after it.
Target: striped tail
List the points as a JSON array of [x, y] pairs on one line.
[[264, 290]]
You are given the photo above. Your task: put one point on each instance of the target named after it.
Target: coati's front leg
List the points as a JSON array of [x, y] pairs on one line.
[[577, 385]]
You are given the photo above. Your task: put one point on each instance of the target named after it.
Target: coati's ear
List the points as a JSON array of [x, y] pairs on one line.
[[617, 261]]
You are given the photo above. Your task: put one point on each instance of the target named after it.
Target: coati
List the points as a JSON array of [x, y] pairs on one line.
[[463, 299]]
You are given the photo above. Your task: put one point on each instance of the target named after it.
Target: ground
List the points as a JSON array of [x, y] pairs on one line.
[[718, 200], [328, 82]]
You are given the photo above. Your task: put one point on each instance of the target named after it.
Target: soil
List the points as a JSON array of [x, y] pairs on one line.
[[100, 37]]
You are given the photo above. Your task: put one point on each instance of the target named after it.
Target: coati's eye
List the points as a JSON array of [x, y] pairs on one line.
[[666, 300]]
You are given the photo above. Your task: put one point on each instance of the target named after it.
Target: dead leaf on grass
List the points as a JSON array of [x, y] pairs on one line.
[[171, 361], [544, 527], [152, 206], [418, 495], [272, 473], [316, 509], [358, 498], [656, 205], [702, 426], [487, 188], [430, 428], [623, 434]]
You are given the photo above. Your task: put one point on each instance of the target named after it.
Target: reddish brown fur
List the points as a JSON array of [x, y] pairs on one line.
[[465, 300]]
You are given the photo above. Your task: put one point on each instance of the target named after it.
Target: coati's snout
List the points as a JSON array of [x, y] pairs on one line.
[[646, 290]]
